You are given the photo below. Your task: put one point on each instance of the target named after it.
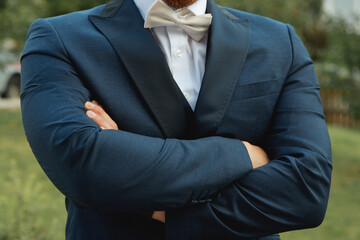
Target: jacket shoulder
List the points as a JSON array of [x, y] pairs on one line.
[[254, 17], [75, 18], [261, 23], [56, 31]]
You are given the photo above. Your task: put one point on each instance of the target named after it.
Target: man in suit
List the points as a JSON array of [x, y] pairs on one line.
[[193, 101]]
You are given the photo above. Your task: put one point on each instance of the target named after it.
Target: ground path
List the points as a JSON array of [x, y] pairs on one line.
[[6, 104]]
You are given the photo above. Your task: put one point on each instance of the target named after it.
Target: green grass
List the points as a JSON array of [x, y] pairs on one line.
[[31, 207]]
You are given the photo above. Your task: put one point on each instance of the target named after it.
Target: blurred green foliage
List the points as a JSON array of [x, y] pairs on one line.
[[340, 66], [30, 206], [344, 40], [17, 15], [21, 204]]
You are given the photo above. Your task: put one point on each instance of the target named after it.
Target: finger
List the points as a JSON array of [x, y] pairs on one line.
[[104, 112], [100, 111], [99, 120], [96, 103], [159, 216]]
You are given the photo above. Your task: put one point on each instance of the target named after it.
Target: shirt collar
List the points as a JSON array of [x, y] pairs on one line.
[[198, 8]]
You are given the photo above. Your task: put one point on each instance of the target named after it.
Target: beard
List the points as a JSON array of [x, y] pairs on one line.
[[180, 3]]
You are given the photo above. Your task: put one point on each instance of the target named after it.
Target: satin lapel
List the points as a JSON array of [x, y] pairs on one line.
[[228, 45], [123, 26]]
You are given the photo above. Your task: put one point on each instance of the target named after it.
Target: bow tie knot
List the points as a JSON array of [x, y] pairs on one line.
[[160, 14], [181, 20]]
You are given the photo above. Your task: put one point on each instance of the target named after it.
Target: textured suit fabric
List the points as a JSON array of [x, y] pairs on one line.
[[259, 86]]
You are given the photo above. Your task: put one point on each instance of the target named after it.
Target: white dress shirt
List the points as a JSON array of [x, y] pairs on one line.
[[185, 56]]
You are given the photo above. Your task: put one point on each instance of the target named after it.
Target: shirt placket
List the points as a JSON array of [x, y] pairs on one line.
[[181, 64]]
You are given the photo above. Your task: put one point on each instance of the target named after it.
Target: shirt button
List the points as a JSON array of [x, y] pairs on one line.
[[186, 94], [179, 53]]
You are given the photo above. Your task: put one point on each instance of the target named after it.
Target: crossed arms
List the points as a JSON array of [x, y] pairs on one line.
[[96, 112], [120, 171]]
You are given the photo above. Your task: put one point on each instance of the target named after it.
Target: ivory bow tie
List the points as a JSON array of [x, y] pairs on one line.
[[160, 14]]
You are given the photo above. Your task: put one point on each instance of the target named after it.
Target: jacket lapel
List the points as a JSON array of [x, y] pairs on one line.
[[228, 45], [122, 24]]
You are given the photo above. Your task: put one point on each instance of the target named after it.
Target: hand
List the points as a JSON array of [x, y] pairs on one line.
[[159, 215], [100, 117], [257, 155]]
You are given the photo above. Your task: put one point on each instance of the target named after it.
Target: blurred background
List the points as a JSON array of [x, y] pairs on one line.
[[31, 207]]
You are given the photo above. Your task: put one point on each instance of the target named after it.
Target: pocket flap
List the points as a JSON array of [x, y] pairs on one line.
[[258, 89]]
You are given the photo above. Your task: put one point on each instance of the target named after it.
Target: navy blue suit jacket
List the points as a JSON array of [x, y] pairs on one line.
[[259, 86]]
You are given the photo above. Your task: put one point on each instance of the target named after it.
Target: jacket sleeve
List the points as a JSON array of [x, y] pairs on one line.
[[107, 169], [291, 192]]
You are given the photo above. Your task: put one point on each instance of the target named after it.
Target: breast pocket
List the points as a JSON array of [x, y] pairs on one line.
[[250, 111], [253, 90]]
